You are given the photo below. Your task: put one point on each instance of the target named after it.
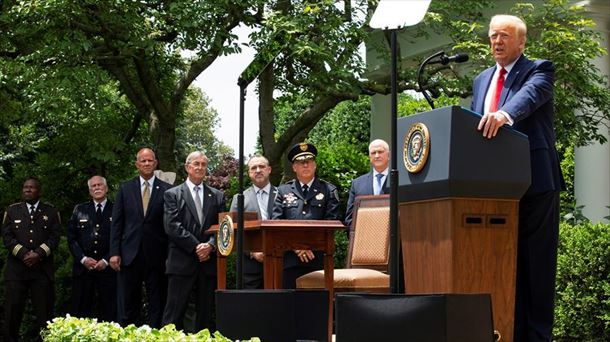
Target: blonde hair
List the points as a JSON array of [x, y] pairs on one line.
[[514, 21]]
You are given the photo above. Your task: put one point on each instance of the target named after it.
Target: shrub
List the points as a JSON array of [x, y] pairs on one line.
[[582, 310], [86, 329]]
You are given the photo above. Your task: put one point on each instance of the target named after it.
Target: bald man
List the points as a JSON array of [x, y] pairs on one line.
[[138, 243]]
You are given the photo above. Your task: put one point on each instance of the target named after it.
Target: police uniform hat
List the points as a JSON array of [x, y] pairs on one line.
[[302, 151]]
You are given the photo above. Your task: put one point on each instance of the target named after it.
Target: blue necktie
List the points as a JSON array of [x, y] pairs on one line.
[[379, 177]]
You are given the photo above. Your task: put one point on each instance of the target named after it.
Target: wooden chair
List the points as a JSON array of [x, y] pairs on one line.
[[368, 254]]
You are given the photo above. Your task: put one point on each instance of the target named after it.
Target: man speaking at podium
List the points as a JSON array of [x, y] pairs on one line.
[[519, 92]]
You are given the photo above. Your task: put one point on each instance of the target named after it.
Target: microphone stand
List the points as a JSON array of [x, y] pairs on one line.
[[252, 71], [419, 77]]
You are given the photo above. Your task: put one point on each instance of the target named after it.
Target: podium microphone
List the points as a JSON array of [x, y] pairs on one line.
[[459, 58], [442, 59]]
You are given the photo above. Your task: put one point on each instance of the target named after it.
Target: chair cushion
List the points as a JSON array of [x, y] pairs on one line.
[[371, 238], [348, 278]]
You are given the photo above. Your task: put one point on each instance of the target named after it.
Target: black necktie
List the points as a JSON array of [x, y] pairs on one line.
[[305, 190], [98, 213], [32, 210]]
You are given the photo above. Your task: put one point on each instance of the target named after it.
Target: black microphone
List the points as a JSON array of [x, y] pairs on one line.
[[442, 59], [459, 58]]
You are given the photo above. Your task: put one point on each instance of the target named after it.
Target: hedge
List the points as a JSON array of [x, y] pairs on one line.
[[582, 302], [64, 329]]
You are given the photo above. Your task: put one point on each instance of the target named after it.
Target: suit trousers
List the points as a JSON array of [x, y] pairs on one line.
[[292, 272], [536, 266], [179, 289], [92, 289], [42, 292], [129, 292], [253, 273]]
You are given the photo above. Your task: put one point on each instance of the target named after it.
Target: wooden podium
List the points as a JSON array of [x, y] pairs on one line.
[[274, 237], [458, 215]]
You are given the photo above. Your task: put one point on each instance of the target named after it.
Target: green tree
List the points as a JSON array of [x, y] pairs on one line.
[[139, 44], [196, 128], [315, 71], [318, 65]]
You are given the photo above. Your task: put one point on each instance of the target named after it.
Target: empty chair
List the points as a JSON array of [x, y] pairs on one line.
[[368, 254]]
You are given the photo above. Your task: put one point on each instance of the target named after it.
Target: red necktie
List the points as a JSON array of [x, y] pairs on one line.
[[493, 107]]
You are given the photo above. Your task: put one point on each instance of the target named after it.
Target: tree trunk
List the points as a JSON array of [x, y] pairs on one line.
[[163, 132], [275, 149]]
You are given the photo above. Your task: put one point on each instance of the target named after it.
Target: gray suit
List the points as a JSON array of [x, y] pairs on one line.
[[253, 270]]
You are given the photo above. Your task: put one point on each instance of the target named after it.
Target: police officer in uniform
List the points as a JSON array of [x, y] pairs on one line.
[[304, 198], [30, 230], [89, 241]]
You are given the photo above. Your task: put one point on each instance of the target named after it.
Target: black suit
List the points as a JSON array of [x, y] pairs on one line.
[[23, 232], [184, 269], [527, 96], [142, 244], [321, 203], [89, 236], [253, 270]]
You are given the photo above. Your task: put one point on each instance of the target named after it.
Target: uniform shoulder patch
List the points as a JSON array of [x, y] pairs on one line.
[[330, 186], [335, 194]]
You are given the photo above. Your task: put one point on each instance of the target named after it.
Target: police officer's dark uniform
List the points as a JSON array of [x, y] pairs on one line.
[[320, 203], [89, 236], [23, 232]]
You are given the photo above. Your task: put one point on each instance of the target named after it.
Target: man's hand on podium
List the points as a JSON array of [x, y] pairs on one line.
[[491, 122]]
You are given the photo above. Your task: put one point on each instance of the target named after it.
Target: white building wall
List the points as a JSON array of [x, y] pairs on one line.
[[592, 162]]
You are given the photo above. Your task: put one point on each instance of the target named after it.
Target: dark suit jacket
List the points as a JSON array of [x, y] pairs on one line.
[[362, 185], [321, 203], [527, 96], [251, 204], [22, 234], [186, 232], [131, 229], [87, 239]]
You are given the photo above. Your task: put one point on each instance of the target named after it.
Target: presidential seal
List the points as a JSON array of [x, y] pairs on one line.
[[226, 236], [416, 147]]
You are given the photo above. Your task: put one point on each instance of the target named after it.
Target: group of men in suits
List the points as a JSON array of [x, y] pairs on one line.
[[152, 237], [156, 233], [304, 198]]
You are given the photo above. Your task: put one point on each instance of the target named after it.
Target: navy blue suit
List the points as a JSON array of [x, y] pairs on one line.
[[362, 185], [527, 96], [142, 244], [89, 236], [185, 270]]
